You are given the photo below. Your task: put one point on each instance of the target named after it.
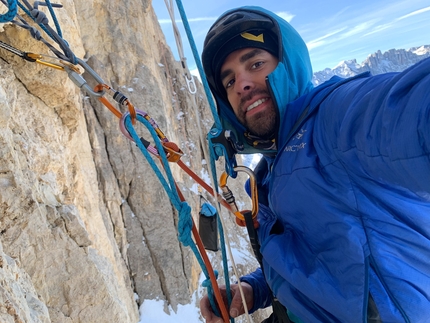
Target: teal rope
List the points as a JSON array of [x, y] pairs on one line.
[[199, 64], [11, 13], [54, 17], [185, 219], [221, 235], [219, 126], [208, 284]]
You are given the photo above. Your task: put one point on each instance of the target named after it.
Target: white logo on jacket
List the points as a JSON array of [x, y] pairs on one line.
[[297, 147]]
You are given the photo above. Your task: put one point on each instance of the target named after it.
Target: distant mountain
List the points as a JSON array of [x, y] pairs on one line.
[[394, 60]]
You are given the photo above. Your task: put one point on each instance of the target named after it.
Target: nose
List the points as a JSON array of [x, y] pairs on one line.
[[243, 83]]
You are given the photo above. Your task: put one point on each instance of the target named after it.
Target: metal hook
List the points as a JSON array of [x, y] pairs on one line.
[[81, 83], [191, 84], [228, 195]]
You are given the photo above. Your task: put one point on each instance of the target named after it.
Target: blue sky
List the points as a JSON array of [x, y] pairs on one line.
[[334, 30]]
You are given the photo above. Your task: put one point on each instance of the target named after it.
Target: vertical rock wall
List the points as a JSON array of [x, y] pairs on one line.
[[86, 230]]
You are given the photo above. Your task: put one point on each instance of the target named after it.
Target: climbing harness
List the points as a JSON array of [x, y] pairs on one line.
[[164, 151]]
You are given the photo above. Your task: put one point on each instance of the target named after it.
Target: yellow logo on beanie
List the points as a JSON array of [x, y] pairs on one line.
[[252, 37]]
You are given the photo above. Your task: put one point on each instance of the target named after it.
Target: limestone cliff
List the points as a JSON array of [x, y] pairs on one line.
[[86, 230]]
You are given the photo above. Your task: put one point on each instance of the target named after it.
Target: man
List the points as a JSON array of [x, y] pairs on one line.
[[344, 185]]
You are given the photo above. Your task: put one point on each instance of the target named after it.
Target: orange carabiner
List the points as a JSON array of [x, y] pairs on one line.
[[228, 195]]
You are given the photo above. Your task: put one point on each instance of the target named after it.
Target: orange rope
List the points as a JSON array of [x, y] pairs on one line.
[[208, 264], [116, 112], [203, 183]]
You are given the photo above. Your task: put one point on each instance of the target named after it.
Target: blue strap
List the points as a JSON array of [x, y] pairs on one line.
[[13, 10]]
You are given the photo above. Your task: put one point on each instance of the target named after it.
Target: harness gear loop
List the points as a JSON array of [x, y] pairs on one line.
[[228, 196]]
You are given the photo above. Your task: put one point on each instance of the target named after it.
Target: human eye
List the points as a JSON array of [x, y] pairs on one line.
[[257, 64], [229, 83]]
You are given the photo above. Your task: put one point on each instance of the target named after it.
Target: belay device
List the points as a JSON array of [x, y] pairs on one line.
[[208, 226]]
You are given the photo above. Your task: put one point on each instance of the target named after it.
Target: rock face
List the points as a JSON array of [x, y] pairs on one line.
[[394, 60], [87, 231]]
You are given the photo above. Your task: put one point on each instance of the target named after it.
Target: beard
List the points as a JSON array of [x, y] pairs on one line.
[[261, 124]]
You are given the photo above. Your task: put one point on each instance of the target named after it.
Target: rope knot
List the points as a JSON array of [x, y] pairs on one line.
[[207, 282], [39, 17], [35, 33], [185, 224]]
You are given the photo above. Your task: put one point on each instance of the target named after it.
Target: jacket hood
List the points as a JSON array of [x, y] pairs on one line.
[[290, 80]]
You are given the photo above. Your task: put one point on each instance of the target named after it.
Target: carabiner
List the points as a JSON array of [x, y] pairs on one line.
[[173, 153], [80, 82], [118, 97], [228, 195], [191, 84]]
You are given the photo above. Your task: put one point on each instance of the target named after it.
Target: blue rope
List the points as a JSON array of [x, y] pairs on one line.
[[199, 64], [219, 126], [222, 240], [13, 10], [54, 18], [185, 222], [208, 284]]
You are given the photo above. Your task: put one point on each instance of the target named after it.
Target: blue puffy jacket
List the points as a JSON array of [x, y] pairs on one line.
[[349, 202], [347, 219]]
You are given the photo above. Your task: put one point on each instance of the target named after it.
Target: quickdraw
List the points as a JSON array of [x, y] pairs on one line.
[[54, 62]]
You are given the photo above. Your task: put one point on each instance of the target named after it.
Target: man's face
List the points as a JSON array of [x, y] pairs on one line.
[[243, 76]]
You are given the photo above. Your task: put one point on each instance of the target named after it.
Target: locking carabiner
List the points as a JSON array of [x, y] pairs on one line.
[[229, 197]]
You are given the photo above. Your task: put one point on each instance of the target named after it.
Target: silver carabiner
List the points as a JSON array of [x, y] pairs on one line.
[[81, 83], [191, 84]]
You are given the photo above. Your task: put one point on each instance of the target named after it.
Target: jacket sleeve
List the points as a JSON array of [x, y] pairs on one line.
[[380, 127], [262, 296]]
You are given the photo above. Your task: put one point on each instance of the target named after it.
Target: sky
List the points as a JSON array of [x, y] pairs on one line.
[[334, 30]]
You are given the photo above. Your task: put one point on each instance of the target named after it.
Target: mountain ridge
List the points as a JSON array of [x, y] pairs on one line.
[[393, 60]]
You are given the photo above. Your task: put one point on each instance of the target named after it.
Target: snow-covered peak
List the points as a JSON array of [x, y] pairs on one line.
[[394, 60]]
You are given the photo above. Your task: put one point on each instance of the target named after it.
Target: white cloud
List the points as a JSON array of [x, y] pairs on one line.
[[416, 12], [285, 15], [321, 40]]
